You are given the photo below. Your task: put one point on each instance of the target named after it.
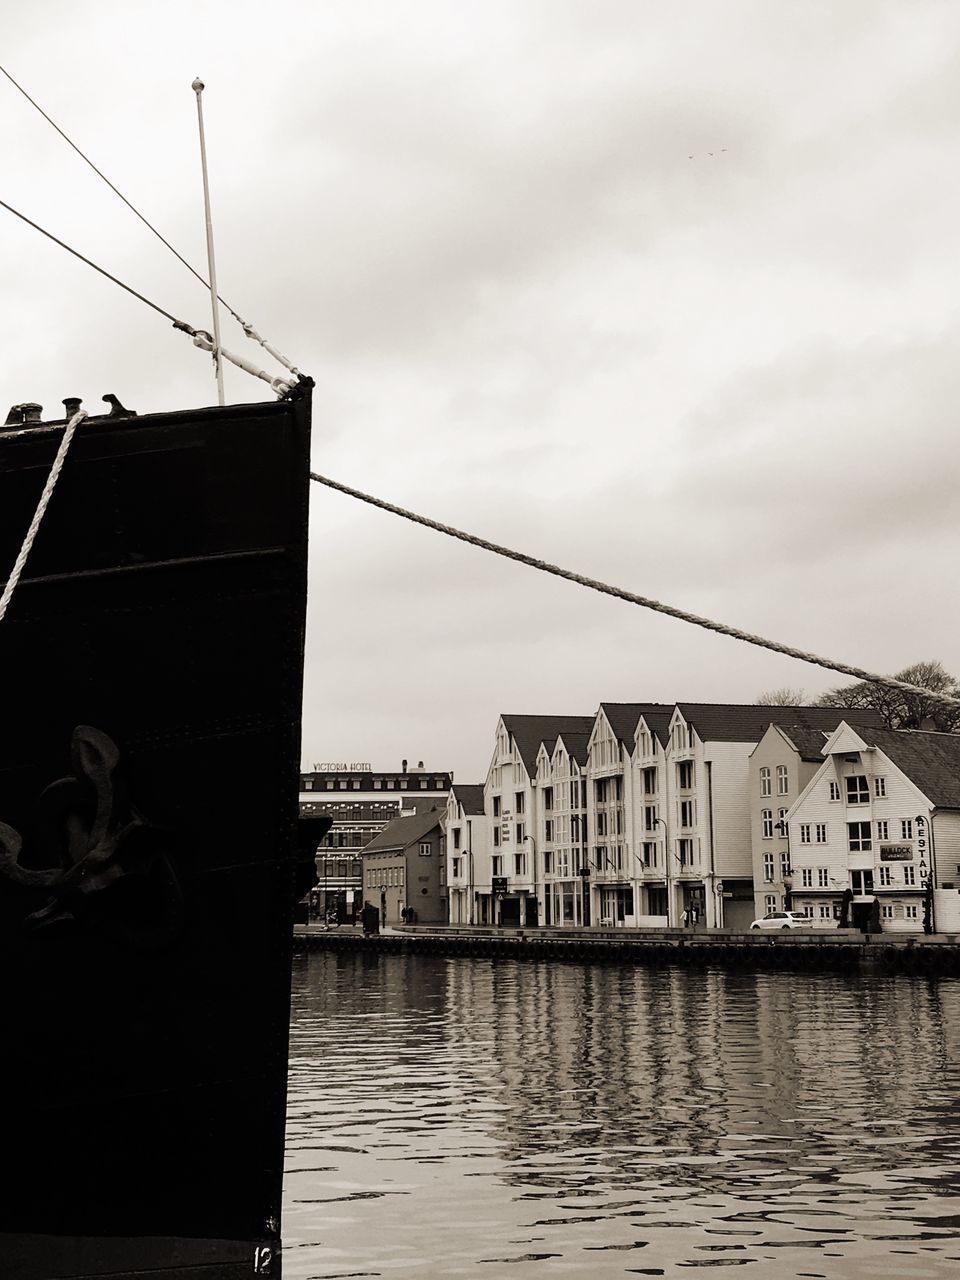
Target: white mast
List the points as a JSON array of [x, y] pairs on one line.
[[197, 87]]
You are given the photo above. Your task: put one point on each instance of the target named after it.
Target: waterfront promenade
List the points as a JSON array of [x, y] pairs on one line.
[[804, 949]]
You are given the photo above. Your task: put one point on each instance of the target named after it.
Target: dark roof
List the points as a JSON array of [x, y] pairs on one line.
[[808, 742], [470, 795], [729, 722], [399, 833], [658, 722], [625, 716], [576, 744], [529, 731], [930, 760]]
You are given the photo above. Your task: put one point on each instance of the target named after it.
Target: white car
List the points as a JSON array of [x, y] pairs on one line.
[[783, 920]]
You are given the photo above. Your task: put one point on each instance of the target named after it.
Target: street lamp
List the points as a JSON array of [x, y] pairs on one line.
[[533, 870], [666, 867], [783, 827]]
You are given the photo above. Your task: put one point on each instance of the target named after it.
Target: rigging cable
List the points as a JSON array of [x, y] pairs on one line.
[[177, 324], [201, 338], [248, 328], [631, 598]]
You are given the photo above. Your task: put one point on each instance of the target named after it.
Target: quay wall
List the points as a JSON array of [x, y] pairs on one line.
[[827, 949]]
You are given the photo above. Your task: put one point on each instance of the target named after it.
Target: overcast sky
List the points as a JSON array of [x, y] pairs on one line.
[[664, 290]]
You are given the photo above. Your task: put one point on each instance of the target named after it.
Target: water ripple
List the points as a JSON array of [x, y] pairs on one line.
[[806, 1122]]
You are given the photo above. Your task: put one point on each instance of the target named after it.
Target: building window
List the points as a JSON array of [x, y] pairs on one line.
[[574, 792], [911, 911], [782, 822], [548, 830], [766, 787], [684, 775], [520, 833], [879, 786], [906, 828], [496, 837], [519, 798], [883, 830], [686, 852], [519, 864], [649, 817], [768, 868], [823, 877], [821, 833], [548, 862], [858, 834], [601, 823], [784, 863], [770, 902], [456, 837], [496, 806], [650, 782], [649, 853], [496, 864], [766, 823], [782, 780], [426, 849], [804, 832], [910, 877], [686, 813], [547, 798], [455, 867], [886, 877], [858, 789], [806, 877], [834, 791]]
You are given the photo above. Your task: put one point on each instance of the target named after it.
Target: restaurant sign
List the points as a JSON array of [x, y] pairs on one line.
[[896, 853]]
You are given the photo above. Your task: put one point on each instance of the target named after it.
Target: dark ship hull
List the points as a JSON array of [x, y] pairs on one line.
[[152, 662]]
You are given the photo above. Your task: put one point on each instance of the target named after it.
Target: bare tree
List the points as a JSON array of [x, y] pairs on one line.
[[901, 710], [782, 697]]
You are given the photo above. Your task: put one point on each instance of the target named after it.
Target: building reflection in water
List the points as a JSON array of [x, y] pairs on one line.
[[450, 1113]]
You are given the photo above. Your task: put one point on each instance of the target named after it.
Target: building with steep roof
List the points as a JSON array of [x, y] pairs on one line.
[[511, 804], [404, 870], [875, 833], [561, 835], [709, 856], [467, 851]]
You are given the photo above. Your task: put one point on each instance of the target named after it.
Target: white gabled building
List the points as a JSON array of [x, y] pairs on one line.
[[621, 884], [512, 806], [875, 834], [562, 830], [467, 847], [707, 805]]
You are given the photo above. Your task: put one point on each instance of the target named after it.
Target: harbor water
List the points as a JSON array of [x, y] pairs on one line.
[[473, 1117]]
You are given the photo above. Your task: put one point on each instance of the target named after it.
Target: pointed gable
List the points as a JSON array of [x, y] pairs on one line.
[[844, 741]]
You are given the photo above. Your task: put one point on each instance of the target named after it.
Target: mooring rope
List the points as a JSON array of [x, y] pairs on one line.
[[645, 602], [42, 505]]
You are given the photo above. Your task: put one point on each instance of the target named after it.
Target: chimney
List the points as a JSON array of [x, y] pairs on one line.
[[404, 763], [419, 764]]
